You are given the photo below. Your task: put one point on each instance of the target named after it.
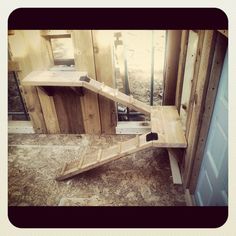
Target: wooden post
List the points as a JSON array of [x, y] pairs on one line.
[[181, 67], [198, 100]]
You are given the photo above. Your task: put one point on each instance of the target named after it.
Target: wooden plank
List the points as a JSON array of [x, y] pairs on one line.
[[181, 67], [176, 176], [105, 73], [69, 116], [217, 64], [13, 66], [20, 127], [171, 66], [201, 34], [54, 78], [188, 76], [84, 61], [199, 98], [49, 112], [31, 98], [166, 122]]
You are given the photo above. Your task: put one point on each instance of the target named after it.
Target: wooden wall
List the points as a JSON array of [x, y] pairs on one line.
[[66, 110], [204, 78]]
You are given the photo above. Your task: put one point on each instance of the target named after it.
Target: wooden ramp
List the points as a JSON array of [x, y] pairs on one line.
[[103, 156], [72, 79], [166, 130]]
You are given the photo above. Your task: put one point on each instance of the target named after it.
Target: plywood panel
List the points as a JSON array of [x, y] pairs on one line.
[[105, 73], [84, 61]]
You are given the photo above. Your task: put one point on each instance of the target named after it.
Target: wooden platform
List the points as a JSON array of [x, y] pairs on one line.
[[165, 120]]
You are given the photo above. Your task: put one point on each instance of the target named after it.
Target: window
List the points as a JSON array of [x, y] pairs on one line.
[[63, 51]]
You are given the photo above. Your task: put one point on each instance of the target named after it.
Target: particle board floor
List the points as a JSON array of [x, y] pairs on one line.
[[141, 179]]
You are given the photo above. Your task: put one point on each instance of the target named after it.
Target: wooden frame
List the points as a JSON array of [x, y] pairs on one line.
[[217, 64], [211, 49]]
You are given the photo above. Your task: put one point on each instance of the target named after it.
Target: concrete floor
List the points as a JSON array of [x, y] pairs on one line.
[[140, 179]]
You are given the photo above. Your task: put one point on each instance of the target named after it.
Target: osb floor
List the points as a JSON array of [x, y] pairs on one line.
[[140, 179]]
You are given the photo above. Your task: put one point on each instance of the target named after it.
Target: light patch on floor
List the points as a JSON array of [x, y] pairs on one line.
[[141, 179]]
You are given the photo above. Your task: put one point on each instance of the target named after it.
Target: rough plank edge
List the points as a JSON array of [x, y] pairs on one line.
[[174, 167]]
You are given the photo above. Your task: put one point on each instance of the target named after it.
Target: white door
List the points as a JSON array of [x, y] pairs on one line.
[[212, 186]]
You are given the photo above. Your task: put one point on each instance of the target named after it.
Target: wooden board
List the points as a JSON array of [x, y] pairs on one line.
[[175, 171], [165, 121], [171, 66], [69, 116], [54, 78], [188, 76], [20, 127], [31, 98], [84, 61], [217, 64], [105, 73], [181, 67], [49, 112], [198, 99]]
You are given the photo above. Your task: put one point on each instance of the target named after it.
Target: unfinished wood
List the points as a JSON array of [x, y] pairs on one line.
[[30, 97], [224, 32], [105, 73], [72, 79], [49, 112], [171, 66], [198, 101], [54, 78], [13, 66], [217, 64], [109, 154], [181, 67], [175, 171], [20, 127], [201, 34], [165, 121], [188, 76], [132, 127], [84, 61], [69, 116]]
